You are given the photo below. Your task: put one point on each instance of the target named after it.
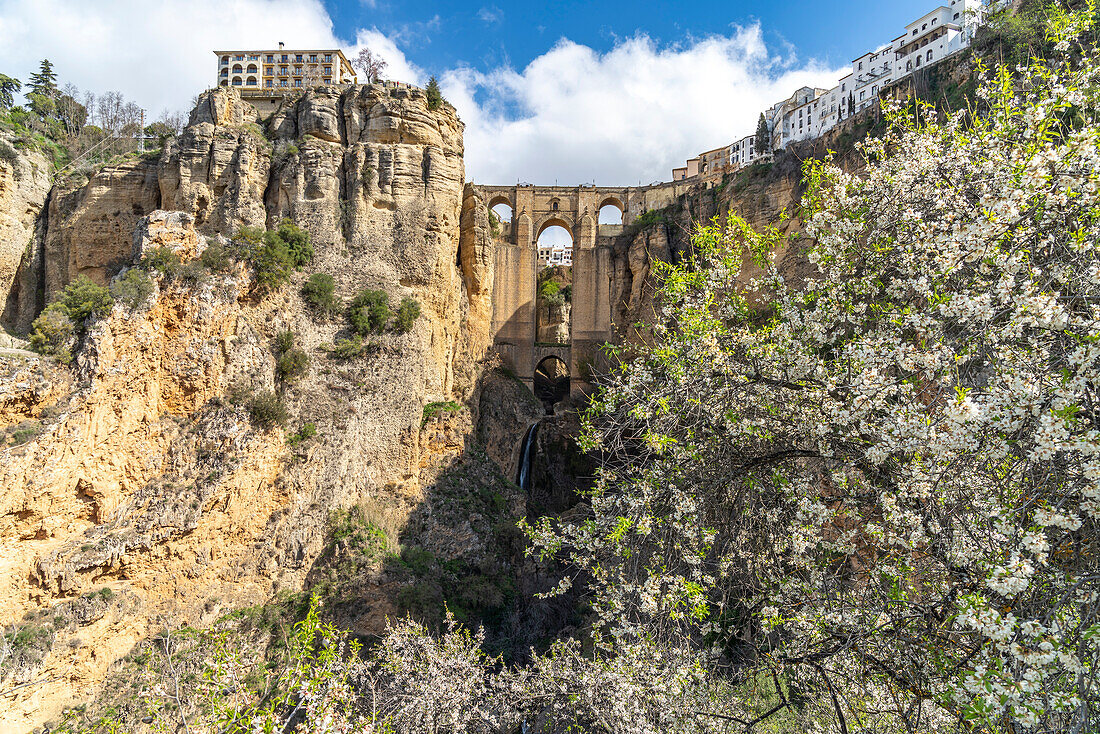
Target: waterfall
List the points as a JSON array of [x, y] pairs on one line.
[[526, 456]]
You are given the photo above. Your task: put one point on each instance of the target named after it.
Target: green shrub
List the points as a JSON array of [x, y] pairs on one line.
[[52, 332], [25, 432], [292, 365], [192, 274], [431, 410], [348, 348], [292, 150], [267, 410], [407, 314], [8, 154], [272, 262], [305, 433], [320, 293], [132, 288], [297, 242], [162, 259], [84, 298], [284, 341], [216, 257], [369, 311]]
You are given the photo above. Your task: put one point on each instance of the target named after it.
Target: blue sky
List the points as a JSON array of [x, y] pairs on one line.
[[612, 93], [442, 35]]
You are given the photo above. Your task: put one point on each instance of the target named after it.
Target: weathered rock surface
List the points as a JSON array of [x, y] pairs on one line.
[[145, 477], [24, 185]]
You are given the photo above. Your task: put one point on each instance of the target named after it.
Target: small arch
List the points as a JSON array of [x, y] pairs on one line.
[[252, 69], [502, 207], [225, 82], [551, 381], [238, 69], [251, 81], [237, 81], [611, 211]]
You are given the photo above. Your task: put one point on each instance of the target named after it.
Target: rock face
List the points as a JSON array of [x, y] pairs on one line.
[[146, 475], [24, 185]]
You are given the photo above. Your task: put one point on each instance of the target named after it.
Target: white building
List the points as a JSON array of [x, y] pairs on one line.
[[810, 113], [743, 152], [937, 34], [556, 255]]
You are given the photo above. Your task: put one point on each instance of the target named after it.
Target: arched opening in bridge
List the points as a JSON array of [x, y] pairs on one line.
[[611, 212], [551, 382], [555, 245]]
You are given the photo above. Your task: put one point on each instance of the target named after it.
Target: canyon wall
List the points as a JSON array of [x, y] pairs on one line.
[[136, 492]]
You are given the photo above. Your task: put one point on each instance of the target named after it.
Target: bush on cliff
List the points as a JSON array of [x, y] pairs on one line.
[[85, 299], [320, 293], [267, 409], [216, 257], [407, 314], [132, 288], [369, 311], [52, 332], [274, 254], [163, 260]]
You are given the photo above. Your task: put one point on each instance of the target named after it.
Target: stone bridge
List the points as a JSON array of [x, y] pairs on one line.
[[577, 209]]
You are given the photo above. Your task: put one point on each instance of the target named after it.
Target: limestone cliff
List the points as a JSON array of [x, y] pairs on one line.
[[24, 185], [144, 485]]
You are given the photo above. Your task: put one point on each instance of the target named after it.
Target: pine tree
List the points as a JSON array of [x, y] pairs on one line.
[[44, 82], [763, 136], [8, 87], [851, 103], [435, 97]]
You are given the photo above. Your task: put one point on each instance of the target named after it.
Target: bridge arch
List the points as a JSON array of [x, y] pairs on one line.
[[553, 221], [611, 210], [551, 376]]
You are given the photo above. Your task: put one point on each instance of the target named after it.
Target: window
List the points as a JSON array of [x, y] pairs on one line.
[[328, 80], [269, 70], [284, 83], [918, 61], [933, 21], [269, 83], [328, 58], [908, 65], [297, 70], [297, 82], [861, 94], [313, 58], [924, 27], [251, 68], [328, 69], [956, 15], [271, 58], [929, 58], [225, 59], [284, 58], [251, 81], [240, 57], [238, 69], [237, 82], [914, 31], [225, 72], [861, 66], [283, 70], [298, 58]]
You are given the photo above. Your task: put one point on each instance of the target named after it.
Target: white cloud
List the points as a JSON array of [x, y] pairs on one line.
[[490, 14], [398, 67], [160, 54], [629, 115]]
